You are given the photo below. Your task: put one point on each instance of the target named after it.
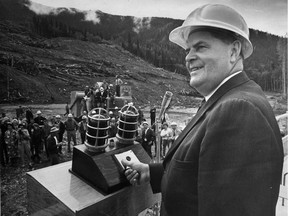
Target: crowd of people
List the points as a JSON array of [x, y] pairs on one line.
[[28, 138], [146, 134], [97, 95]]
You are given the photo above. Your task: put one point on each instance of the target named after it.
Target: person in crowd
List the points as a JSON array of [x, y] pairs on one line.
[[79, 119], [111, 114], [118, 83], [53, 144], [4, 150], [3, 115], [19, 111], [71, 127], [88, 98], [37, 140], [86, 90], [46, 131], [111, 145], [229, 158], [61, 127], [166, 136], [175, 132], [21, 118], [147, 138], [152, 114], [112, 128], [83, 128], [11, 143], [105, 85], [24, 144], [39, 119], [111, 94], [29, 115], [101, 98]]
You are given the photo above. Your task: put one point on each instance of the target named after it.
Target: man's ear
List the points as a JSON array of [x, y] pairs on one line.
[[235, 51]]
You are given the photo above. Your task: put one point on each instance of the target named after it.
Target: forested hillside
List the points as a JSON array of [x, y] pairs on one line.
[[148, 38]]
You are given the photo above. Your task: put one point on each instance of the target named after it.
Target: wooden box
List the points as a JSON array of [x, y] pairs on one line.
[[56, 191], [101, 170]]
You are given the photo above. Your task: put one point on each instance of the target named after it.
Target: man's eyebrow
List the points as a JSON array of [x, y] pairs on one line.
[[196, 45], [199, 43]]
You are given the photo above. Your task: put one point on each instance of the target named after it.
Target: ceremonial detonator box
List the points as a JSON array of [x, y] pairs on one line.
[[99, 165]]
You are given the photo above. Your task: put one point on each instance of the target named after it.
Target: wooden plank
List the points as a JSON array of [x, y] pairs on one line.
[[42, 202], [71, 196]]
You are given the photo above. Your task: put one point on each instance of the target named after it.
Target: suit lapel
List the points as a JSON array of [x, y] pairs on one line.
[[231, 83]]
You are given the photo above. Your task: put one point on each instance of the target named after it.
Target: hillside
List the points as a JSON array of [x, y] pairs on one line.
[[42, 70], [46, 56]]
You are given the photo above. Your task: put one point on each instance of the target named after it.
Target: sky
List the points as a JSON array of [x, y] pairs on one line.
[[265, 15]]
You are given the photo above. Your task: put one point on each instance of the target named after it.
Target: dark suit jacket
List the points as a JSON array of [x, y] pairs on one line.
[[51, 145], [227, 161], [101, 98], [149, 136]]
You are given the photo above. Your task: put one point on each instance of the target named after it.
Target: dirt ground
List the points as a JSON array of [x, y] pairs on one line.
[[13, 178]]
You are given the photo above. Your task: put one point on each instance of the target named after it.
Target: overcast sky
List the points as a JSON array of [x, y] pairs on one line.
[[265, 15]]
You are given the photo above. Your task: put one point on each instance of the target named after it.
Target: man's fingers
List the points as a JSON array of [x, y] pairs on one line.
[[135, 179], [131, 174]]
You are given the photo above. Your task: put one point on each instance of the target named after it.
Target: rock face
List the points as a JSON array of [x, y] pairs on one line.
[[34, 69]]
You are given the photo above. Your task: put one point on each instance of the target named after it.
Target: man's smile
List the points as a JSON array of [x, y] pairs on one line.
[[192, 68]]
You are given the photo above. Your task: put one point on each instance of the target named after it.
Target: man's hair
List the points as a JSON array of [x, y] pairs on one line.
[[225, 36]]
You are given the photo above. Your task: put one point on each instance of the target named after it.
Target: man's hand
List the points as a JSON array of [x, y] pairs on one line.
[[136, 172]]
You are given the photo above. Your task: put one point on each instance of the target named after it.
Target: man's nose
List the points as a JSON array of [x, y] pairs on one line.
[[190, 56]]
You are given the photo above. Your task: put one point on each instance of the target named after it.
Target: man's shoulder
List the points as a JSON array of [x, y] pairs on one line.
[[249, 92]]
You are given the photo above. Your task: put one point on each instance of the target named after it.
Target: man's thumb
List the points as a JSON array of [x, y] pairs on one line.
[[126, 163]]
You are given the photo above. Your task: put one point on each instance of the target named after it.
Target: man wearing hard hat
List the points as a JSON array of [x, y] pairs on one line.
[[228, 160], [71, 127]]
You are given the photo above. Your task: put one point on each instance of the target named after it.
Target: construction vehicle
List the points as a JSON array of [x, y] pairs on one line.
[[77, 100]]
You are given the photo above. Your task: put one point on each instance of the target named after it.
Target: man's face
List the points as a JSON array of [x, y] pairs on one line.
[[207, 61]]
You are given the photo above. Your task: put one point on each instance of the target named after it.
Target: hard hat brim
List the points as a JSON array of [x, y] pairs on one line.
[[180, 35]]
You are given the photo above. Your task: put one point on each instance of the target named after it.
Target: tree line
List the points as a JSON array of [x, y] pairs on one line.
[[267, 65]]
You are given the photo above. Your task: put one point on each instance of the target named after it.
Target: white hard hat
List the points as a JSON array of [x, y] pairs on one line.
[[70, 115], [38, 112], [84, 117], [215, 16], [58, 116], [173, 123]]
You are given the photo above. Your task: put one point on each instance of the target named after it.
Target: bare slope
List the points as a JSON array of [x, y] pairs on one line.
[[44, 70]]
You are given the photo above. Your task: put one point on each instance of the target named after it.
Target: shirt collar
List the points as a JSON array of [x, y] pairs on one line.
[[207, 97]]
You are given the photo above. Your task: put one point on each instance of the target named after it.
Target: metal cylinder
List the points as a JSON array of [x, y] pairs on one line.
[[97, 130], [127, 127]]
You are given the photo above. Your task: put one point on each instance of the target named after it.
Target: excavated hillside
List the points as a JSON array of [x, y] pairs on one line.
[[40, 70]]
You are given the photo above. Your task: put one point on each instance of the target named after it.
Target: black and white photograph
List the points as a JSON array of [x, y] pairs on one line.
[[143, 108]]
